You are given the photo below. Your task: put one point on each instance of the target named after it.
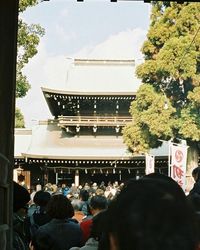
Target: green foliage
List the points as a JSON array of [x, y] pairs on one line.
[[28, 40], [151, 120], [137, 139], [190, 117], [24, 4], [190, 124], [19, 119], [170, 73]]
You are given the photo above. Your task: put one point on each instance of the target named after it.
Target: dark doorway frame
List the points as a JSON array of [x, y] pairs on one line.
[[8, 52]]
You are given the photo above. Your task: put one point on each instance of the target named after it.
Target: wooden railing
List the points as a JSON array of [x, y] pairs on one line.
[[93, 120]]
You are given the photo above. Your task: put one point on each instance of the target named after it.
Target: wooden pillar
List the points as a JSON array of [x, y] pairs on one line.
[[56, 178], [8, 48], [76, 178]]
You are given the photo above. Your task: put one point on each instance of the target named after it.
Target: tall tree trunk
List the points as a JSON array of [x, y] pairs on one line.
[[192, 162]]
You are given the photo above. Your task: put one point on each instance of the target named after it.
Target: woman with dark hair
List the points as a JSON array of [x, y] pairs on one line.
[[84, 196], [61, 233], [151, 214], [196, 176], [21, 197], [39, 217]]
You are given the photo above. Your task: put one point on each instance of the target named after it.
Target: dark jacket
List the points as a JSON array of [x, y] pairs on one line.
[[19, 240], [58, 235], [40, 218], [196, 188]]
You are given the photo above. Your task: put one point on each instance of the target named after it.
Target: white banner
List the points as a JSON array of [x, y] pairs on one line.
[[150, 164], [178, 164]]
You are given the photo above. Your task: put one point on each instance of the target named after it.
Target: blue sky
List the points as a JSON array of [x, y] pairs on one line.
[[89, 29], [70, 25]]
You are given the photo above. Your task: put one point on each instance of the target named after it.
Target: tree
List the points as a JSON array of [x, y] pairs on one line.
[[19, 119], [168, 102], [28, 40]]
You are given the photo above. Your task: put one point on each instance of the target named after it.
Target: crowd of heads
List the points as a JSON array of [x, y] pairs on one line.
[[86, 191], [150, 213]]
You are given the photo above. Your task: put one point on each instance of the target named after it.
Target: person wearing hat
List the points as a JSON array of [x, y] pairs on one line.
[[21, 197], [39, 217]]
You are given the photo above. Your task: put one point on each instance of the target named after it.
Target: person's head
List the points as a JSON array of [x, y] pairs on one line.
[[84, 195], [196, 173], [98, 203], [60, 207], [94, 185], [158, 176], [99, 191], [152, 214], [76, 204], [41, 198], [21, 197]]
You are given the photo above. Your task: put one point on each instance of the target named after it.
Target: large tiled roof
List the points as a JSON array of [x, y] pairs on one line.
[[48, 141], [102, 76], [22, 141]]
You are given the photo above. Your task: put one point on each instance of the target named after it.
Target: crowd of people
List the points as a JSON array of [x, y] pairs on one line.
[[150, 213], [109, 190]]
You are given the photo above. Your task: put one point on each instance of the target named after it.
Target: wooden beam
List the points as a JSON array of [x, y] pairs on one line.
[[8, 49]]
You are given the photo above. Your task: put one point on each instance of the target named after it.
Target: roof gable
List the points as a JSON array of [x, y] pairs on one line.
[[102, 76]]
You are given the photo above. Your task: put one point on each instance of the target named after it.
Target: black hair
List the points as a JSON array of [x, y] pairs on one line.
[[98, 202], [152, 214], [41, 198], [196, 172], [158, 176], [60, 207], [20, 197], [84, 195], [172, 185]]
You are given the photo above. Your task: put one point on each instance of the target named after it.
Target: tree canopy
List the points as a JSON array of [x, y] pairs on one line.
[[167, 104], [27, 42], [19, 119]]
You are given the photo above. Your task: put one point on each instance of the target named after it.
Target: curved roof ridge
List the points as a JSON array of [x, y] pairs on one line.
[[92, 93], [81, 61]]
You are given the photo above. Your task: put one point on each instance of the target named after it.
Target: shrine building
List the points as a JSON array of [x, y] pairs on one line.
[[83, 142]]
